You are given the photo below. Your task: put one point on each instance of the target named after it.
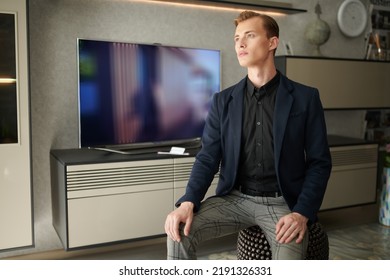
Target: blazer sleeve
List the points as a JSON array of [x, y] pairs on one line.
[[318, 161], [207, 160]]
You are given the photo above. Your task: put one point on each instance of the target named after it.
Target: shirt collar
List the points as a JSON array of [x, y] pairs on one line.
[[267, 88]]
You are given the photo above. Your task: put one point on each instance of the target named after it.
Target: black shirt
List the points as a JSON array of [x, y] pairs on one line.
[[257, 166]]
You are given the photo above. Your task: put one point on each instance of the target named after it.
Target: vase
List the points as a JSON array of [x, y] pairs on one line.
[[317, 32], [384, 209]]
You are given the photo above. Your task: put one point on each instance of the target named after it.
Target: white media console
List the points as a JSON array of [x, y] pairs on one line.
[[101, 198]]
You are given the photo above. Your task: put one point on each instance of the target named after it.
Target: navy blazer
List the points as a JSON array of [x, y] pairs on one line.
[[302, 156]]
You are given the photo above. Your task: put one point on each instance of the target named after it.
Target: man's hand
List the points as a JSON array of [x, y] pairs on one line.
[[183, 214], [291, 226]]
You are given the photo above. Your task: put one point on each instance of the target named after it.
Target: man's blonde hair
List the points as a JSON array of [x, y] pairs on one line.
[[270, 25]]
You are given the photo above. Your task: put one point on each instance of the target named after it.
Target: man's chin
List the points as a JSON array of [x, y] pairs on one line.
[[243, 63]]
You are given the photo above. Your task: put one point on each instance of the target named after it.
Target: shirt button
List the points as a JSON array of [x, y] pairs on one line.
[[259, 164], [258, 123], [258, 143]]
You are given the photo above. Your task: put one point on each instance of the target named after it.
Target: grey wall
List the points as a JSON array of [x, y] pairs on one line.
[[56, 24]]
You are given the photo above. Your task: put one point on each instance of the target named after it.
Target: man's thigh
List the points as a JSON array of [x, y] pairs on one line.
[[268, 213], [220, 216]]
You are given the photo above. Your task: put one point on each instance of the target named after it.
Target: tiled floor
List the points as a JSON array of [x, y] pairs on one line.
[[364, 242]]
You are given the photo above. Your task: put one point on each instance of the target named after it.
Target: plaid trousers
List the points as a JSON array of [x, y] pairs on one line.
[[220, 216]]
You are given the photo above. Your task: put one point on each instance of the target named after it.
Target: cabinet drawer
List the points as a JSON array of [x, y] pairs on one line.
[[353, 177], [350, 187], [113, 218]]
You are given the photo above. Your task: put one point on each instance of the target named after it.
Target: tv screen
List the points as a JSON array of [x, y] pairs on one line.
[[140, 94]]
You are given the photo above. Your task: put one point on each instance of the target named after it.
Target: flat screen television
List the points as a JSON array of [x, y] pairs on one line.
[[138, 95]]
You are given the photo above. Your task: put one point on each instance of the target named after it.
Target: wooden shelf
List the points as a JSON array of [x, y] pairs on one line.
[[265, 6]]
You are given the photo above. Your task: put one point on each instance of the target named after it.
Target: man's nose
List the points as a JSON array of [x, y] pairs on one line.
[[241, 43]]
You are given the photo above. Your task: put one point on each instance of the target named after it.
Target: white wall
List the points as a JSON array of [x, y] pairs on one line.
[[54, 28]]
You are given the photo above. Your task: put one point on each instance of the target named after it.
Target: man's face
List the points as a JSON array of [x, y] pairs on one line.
[[252, 46]]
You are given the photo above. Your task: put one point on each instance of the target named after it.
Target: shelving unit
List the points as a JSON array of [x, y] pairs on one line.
[[378, 125], [380, 32]]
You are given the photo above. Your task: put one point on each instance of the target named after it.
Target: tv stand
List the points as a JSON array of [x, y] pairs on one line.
[[101, 197]]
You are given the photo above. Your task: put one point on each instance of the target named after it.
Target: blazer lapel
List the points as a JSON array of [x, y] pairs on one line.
[[283, 104], [235, 116]]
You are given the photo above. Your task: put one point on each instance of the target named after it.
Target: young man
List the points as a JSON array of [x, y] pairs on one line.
[[267, 135]]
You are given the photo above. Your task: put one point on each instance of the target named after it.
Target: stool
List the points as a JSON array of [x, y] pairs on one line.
[[252, 244]]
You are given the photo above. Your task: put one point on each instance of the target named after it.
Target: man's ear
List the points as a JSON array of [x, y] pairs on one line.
[[273, 43]]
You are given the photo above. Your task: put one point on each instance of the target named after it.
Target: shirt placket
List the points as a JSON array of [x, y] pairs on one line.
[[259, 137]]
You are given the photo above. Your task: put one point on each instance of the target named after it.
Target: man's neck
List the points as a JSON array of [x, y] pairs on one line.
[[261, 76]]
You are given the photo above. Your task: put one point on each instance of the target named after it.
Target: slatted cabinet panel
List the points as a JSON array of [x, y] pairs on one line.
[[111, 202]]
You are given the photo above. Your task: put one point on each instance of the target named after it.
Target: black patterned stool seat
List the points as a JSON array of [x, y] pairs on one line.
[[252, 244]]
